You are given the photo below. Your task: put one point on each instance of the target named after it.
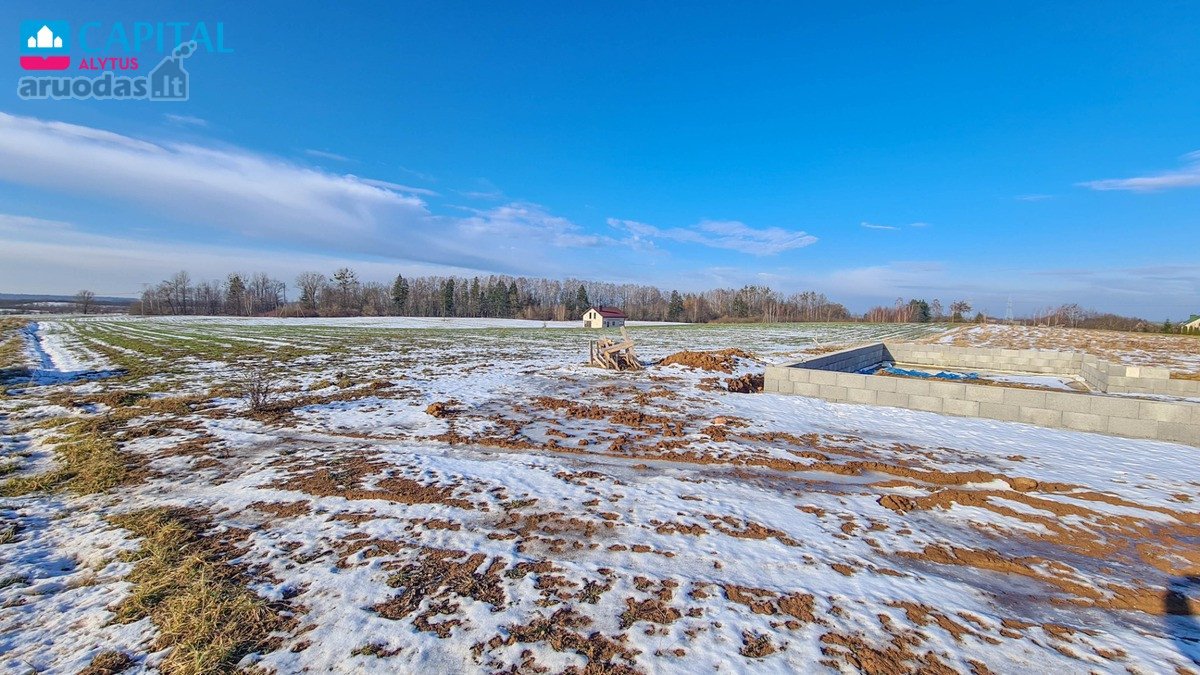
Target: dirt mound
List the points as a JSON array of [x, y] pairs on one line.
[[441, 409], [746, 384], [722, 360]]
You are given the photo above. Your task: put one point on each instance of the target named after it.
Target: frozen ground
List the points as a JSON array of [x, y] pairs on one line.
[[1179, 353], [552, 517]]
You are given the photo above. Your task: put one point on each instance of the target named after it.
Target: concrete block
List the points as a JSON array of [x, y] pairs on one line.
[[1081, 403], [1162, 411], [928, 403], [954, 406], [1179, 433], [1124, 426], [776, 372], [851, 380], [799, 374], [822, 377], [1043, 417], [784, 386], [891, 398], [806, 389], [1118, 382], [1084, 422], [1024, 397], [999, 411], [912, 387], [831, 392], [984, 393], [1115, 406], [948, 390], [770, 385], [867, 396], [881, 383]]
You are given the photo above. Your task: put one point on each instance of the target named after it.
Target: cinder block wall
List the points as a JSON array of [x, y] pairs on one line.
[[834, 377]]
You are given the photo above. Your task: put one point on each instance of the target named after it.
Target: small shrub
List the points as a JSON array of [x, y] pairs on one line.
[[258, 385]]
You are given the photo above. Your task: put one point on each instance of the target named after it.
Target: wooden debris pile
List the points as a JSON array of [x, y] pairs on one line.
[[613, 355]]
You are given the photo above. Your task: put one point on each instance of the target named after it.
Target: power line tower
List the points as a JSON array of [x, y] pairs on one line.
[[1008, 315]]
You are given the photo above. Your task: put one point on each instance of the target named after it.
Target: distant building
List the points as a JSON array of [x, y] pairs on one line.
[[603, 317], [1193, 324]]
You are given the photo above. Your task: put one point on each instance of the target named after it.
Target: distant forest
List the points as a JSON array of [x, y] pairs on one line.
[[343, 294]]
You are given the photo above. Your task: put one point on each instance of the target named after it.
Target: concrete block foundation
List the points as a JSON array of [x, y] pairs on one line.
[[835, 377]]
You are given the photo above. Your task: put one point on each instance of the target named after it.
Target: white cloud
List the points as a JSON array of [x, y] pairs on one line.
[[388, 185], [918, 224], [46, 256], [321, 154], [1033, 198], [274, 202], [873, 226], [1187, 176], [185, 120], [725, 234]]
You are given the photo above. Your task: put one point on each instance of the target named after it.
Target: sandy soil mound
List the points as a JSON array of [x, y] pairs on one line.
[[749, 383], [723, 360]]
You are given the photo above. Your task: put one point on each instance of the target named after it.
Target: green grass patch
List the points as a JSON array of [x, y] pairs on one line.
[[183, 582]]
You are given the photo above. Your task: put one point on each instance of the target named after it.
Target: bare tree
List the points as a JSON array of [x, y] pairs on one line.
[[959, 309], [310, 284], [84, 300]]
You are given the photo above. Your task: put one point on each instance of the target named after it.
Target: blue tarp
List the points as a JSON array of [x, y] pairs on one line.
[[891, 369]]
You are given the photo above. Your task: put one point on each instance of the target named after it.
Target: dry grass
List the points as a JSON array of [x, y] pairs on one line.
[[87, 462], [12, 349], [108, 662], [197, 599]]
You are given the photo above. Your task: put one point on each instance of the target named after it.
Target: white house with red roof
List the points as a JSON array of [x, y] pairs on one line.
[[603, 317]]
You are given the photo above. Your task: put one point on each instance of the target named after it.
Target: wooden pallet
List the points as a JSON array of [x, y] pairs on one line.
[[613, 355]]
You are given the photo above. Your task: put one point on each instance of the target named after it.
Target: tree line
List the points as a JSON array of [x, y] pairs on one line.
[[342, 293]]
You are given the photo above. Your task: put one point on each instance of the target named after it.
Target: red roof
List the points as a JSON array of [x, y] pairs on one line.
[[610, 312]]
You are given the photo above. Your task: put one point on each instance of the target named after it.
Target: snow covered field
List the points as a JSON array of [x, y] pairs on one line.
[[549, 517]]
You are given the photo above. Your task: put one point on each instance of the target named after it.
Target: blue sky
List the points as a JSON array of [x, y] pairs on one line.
[[1044, 151]]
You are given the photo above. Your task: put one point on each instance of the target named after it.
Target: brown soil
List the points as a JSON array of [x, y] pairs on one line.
[[756, 645], [441, 409], [283, 509], [761, 601], [345, 480], [722, 361], [442, 574], [604, 655], [746, 384]]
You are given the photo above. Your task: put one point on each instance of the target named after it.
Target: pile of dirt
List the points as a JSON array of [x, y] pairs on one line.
[[723, 360], [746, 384], [441, 409]]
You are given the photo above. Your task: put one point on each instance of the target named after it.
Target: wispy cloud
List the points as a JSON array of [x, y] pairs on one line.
[[1033, 198], [875, 226], [275, 202], [1186, 176], [185, 120], [59, 257], [484, 190], [397, 187], [322, 154], [725, 234], [919, 224]]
